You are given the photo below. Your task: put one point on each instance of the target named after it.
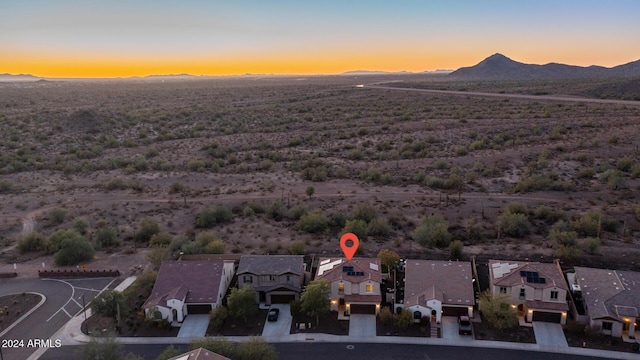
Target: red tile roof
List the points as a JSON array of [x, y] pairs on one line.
[[333, 269]]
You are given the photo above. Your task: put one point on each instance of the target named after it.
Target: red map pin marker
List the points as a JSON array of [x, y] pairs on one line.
[[349, 250]]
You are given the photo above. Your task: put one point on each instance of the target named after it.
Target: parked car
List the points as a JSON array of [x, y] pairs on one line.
[[273, 314], [464, 325]]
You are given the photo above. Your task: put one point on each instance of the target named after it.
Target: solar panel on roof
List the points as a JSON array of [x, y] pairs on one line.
[[347, 268]]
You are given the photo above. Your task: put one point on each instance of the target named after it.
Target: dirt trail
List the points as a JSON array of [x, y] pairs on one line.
[[512, 96]]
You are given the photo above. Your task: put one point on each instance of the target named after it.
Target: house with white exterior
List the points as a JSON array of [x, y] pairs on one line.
[[611, 299], [434, 289], [276, 279], [537, 290], [355, 284], [188, 287]]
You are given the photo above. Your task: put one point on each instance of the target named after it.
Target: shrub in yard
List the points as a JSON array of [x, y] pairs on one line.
[[218, 316], [455, 250], [514, 225], [386, 316], [107, 302]]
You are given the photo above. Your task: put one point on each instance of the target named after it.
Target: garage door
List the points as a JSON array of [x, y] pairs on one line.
[[282, 299], [454, 311], [363, 309], [544, 316], [198, 309]]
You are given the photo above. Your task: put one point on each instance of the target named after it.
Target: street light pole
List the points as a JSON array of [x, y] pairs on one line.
[[84, 311]]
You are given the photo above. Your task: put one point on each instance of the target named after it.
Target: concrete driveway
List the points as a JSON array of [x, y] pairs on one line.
[[282, 327], [450, 330], [194, 325], [549, 334], [362, 325]]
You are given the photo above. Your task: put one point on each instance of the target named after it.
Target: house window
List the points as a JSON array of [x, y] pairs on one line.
[[288, 277], [554, 295], [272, 278], [522, 293], [248, 279], [607, 325], [503, 290], [341, 288], [369, 288]]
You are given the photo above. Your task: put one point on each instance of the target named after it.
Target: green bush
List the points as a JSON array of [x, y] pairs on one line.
[[587, 224], [433, 231], [277, 211], [514, 225], [161, 239], [33, 241], [58, 216], [81, 225], [209, 218], [358, 227], [364, 211], [591, 245], [378, 227], [517, 208], [148, 227], [6, 186], [107, 237], [74, 250], [297, 247], [107, 302], [548, 214], [297, 212], [338, 219], [217, 317], [625, 164], [313, 222], [455, 249]]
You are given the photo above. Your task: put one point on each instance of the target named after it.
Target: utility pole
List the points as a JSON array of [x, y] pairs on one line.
[[84, 311]]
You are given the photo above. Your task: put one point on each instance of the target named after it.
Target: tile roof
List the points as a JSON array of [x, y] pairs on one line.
[[200, 354], [546, 305], [510, 273], [332, 269], [197, 282], [609, 293], [356, 298], [448, 281], [271, 264]]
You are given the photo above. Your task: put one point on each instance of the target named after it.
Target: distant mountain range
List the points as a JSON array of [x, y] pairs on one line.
[[500, 67], [19, 77]]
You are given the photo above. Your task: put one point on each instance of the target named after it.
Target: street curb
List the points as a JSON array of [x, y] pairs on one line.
[[42, 300]]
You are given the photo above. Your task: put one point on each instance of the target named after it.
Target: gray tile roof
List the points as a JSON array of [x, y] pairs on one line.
[[609, 293], [508, 273], [271, 265], [447, 281]]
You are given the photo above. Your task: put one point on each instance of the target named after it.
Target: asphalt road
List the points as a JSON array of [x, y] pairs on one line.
[[63, 300], [340, 351]]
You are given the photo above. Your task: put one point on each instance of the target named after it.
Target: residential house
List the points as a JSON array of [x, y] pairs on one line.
[[537, 290], [276, 279], [355, 284], [611, 299], [200, 354], [188, 287], [436, 288]]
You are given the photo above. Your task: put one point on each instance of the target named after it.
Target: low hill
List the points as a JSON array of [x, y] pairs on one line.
[[18, 77]]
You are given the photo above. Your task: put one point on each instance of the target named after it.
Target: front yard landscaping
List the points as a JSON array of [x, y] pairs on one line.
[[329, 324], [520, 334]]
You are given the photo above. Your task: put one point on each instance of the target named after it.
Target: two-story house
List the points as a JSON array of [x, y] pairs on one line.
[[436, 288], [611, 300], [276, 279], [537, 290], [355, 284], [188, 287]]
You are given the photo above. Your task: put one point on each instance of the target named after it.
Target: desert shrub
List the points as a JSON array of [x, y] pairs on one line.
[[209, 218], [433, 231], [386, 179], [455, 249], [517, 208], [148, 227], [313, 222], [161, 239], [33, 241], [358, 227], [371, 175], [587, 224], [6, 186], [277, 211], [177, 188], [57, 216], [297, 247], [386, 316], [514, 225], [378, 227], [197, 165], [339, 219], [355, 154], [567, 252], [107, 237], [587, 173], [218, 316], [297, 212], [441, 165], [55, 240], [116, 184], [435, 182], [561, 234], [613, 179], [591, 245], [474, 230], [158, 255], [107, 302], [534, 182], [81, 225], [74, 250], [625, 164], [364, 211], [635, 171], [548, 214]]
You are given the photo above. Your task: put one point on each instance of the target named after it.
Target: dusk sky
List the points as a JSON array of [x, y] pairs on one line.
[[84, 38]]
